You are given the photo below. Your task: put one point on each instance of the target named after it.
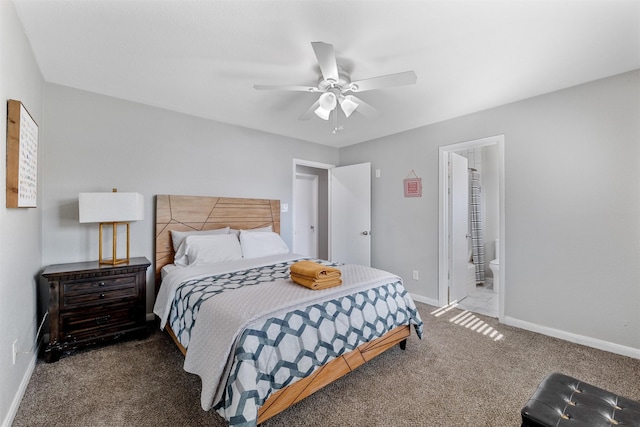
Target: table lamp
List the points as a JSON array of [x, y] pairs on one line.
[[111, 209]]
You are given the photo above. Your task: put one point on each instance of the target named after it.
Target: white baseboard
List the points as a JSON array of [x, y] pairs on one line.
[[13, 409], [578, 339], [425, 300], [556, 333]]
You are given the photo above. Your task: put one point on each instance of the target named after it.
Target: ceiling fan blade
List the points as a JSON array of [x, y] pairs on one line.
[[327, 60], [364, 108], [291, 88], [398, 79], [307, 114]]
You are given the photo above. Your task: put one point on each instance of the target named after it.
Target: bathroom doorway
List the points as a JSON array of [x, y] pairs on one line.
[[471, 226]]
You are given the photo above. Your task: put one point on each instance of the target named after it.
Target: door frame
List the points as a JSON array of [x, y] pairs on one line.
[[443, 227], [312, 164], [314, 180]]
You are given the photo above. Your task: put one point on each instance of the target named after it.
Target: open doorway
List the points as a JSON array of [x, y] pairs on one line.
[[311, 210], [472, 231], [306, 214], [342, 208]]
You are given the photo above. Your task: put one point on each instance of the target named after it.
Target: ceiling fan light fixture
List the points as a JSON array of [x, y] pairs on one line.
[[322, 113], [334, 82], [348, 105], [328, 101], [327, 104]]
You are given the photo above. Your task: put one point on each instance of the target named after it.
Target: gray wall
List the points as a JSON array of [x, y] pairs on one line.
[[95, 143], [572, 207], [20, 232]]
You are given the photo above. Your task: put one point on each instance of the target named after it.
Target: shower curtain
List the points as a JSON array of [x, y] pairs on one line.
[[475, 225]]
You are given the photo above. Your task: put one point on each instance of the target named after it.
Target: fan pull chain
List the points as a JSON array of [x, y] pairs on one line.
[[336, 128]]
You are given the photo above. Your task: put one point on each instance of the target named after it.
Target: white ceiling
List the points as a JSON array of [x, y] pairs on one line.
[[203, 57]]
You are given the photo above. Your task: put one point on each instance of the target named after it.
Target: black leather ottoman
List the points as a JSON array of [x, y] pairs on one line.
[[562, 401]]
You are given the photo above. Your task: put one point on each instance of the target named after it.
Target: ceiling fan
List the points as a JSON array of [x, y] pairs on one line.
[[335, 86]]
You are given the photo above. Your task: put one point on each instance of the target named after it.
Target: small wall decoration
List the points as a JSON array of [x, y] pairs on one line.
[[22, 157], [412, 186]]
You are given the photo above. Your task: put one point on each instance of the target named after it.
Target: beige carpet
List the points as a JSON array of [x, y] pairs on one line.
[[473, 373]]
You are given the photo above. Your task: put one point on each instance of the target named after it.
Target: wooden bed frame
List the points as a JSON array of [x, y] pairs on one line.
[[188, 213]]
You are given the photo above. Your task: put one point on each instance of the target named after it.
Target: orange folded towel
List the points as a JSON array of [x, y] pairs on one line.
[[316, 284], [314, 270]]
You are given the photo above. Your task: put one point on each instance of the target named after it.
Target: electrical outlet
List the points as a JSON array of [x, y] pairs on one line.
[[415, 275], [15, 350]]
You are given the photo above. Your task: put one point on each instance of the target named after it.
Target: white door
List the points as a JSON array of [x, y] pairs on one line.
[[350, 214], [459, 243], [305, 234]]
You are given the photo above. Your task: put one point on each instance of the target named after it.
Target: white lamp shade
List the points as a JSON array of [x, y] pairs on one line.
[[348, 105], [322, 113], [110, 207], [328, 101]]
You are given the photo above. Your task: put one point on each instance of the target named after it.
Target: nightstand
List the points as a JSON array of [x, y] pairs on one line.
[[90, 303]]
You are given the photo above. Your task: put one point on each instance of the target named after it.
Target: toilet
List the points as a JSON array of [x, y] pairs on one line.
[[494, 266]]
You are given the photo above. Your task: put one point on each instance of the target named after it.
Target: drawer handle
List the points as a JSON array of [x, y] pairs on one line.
[[101, 284], [101, 295], [103, 319]]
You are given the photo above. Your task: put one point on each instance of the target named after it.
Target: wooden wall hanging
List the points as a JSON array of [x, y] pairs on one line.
[[22, 157]]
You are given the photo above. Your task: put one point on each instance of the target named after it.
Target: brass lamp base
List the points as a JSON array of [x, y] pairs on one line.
[[114, 259]]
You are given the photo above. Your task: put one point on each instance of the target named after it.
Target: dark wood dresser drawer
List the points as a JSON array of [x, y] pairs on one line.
[[78, 325], [91, 303], [99, 291]]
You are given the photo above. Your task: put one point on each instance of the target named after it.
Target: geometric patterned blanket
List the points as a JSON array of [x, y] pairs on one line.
[[276, 350], [343, 324], [192, 293]]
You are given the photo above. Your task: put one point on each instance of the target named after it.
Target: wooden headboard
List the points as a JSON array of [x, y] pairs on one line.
[[189, 213]]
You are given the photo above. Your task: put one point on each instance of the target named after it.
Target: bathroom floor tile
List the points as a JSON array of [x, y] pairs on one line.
[[482, 300]]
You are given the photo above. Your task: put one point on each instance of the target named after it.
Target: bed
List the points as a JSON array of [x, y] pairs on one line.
[[260, 342]]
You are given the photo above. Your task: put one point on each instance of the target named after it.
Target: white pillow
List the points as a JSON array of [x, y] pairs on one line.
[[208, 249], [178, 236], [258, 244], [268, 228]]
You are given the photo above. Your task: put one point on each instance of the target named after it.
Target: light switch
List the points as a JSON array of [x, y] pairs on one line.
[[377, 173], [284, 207]]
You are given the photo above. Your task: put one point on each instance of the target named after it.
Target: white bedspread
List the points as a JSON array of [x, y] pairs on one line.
[[174, 277], [222, 319]]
